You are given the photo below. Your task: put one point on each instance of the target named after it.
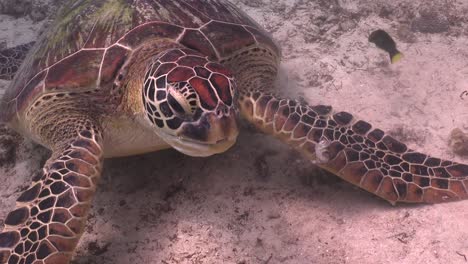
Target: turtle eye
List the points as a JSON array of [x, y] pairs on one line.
[[182, 99], [175, 105]]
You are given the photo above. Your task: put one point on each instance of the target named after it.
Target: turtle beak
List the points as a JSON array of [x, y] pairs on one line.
[[213, 133], [212, 128]]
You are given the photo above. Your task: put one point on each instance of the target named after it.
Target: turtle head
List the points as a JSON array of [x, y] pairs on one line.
[[191, 102]]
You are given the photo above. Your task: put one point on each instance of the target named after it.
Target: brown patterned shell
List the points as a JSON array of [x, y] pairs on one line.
[[91, 39]]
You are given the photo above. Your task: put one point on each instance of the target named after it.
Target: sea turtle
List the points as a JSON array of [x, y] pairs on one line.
[[117, 77]]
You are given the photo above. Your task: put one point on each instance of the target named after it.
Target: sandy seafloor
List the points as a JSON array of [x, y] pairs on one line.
[[261, 202]]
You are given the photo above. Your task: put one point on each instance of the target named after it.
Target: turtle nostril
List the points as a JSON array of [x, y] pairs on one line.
[[222, 110]]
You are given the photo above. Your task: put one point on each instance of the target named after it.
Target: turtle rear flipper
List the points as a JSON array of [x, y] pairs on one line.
[[357, 153], [49, 217], [11, 59]]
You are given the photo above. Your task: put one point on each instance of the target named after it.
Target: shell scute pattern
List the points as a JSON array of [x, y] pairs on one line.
[[227, 38], [171, 56], [179, 12], [148, 31], [85, 50], [79, 71], [194, 39], [35, 87], [205, 11], [262, 37], [78, 25], [113, 60]]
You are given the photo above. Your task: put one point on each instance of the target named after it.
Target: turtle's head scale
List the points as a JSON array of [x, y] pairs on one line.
[[191, 102]]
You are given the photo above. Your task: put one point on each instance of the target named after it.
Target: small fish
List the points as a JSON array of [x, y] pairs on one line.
[[385, 42]]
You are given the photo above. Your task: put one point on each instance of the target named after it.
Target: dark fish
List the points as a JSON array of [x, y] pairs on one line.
[[385, 42]]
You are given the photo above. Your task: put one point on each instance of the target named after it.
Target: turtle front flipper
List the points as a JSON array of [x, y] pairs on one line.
[[354, 151], [11, 59], [49, 217]]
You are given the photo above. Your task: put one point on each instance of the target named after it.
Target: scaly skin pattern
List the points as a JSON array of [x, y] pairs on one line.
[[356, 152], [158, 60], [193, 76], [49, 216]]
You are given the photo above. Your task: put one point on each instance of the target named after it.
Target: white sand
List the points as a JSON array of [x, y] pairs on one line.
[[261, 202]]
